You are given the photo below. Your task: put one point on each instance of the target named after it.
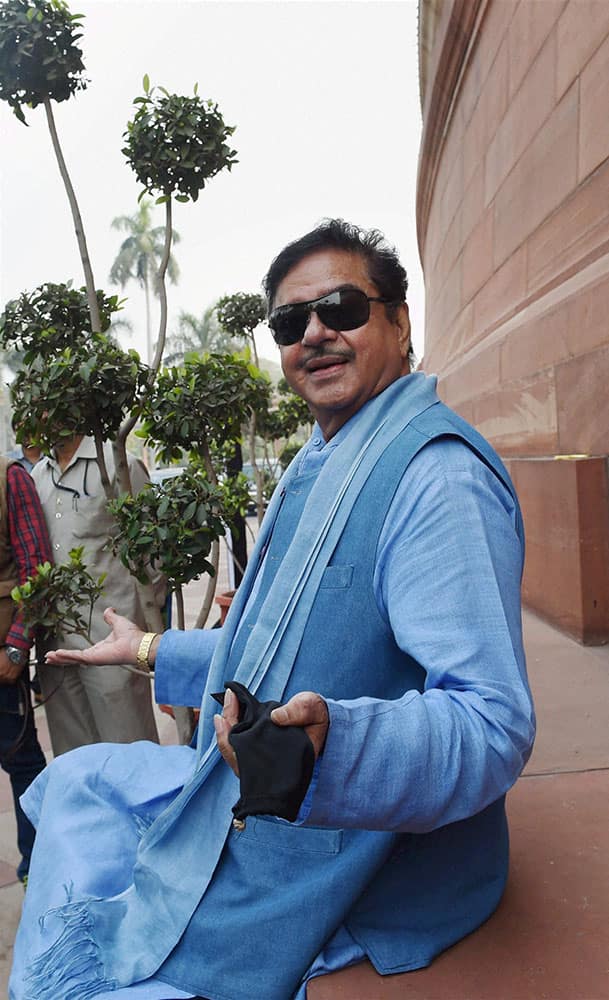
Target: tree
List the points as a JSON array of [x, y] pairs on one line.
[[198, 408], [139, 257], [287, 417], [70, 381], [240, 314], [40, 62], [175, 145], [175, 527], [92, 385], [197, 335], [56, 595]]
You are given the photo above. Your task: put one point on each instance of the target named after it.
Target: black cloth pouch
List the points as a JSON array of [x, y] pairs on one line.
[[275, 762]]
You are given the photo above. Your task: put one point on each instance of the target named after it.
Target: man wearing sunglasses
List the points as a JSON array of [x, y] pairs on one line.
[[381, 609]]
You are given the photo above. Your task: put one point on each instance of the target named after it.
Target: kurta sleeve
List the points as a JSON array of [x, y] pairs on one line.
[[181, 666], [28, 539], [449, 567]]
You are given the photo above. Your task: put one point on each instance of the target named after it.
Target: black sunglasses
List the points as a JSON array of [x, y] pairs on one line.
[[344, 309]]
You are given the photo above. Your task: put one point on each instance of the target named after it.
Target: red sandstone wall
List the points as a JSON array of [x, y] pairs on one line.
[[513, 216]]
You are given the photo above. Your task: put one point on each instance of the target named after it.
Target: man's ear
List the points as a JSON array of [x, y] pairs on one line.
[[403, 322]]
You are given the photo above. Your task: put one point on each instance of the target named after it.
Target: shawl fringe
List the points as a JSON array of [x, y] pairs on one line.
[[71, 968]]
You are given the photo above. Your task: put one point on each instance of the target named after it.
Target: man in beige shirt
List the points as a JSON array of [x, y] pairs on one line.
[[104, 703]]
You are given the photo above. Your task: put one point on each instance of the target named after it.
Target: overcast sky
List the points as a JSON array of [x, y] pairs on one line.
[[324, 97]]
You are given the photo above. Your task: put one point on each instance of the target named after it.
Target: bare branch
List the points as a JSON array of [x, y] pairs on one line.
[[214, 558], [101, 461], [162, 290], [78, 226], [179, 594], [121, 464], [128, 425]]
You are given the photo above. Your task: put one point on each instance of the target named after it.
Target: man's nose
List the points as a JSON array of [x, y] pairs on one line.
[[316, 332]]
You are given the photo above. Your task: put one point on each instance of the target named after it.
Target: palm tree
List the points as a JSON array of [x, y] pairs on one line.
[[139, 256], [198, 334]]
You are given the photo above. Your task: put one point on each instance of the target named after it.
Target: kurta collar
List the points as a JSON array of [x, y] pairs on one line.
[[421, 389], [85, 450]]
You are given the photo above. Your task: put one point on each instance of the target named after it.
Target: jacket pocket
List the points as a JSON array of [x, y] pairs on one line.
[[337, 577], [278, 835]]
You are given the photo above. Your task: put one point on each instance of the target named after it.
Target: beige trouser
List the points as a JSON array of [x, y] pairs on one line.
[[96, 705]]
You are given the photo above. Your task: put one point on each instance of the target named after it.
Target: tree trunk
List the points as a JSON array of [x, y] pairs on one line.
[[121, 465], [258, 478], [152, 613], [183, 715], [148, 320], [254, 349], [179, 593], [185, 723], [130, 422], [78, 226], [101, 461], [237, 528], [162, 288], [210, 591]]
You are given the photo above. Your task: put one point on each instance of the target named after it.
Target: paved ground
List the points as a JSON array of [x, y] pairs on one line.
[[550, 937]]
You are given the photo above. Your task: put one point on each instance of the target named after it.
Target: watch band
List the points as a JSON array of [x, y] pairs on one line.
[[143, 649]]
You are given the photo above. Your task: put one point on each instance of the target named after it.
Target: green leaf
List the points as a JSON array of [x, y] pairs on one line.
[[18, 113], [190, 510], [146, 83]]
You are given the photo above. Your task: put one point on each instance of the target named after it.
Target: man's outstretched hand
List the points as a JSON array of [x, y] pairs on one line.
[[305, 709], [120, 646]]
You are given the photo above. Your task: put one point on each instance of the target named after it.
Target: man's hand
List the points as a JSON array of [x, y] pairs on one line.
[[120, 646], [9, 672], [308, 710], [305, 709]]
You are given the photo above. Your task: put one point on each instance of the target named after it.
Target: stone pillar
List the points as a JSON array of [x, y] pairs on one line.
[[513, 225]]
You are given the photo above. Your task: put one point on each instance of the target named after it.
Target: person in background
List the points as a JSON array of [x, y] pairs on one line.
[[103, 703], [26, 453], [24, 543]]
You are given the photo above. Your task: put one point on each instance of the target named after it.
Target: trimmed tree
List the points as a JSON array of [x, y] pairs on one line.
[[198, 408], [240, 314], [175, 145], [40, 63], [139, 257]]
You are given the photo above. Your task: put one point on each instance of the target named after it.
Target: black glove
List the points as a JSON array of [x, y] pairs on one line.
[[275, 762]]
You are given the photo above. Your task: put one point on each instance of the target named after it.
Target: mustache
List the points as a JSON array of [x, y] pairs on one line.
[[315, 354]]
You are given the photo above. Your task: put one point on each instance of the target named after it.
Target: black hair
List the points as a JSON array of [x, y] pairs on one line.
[[382, 261], [384, 268]]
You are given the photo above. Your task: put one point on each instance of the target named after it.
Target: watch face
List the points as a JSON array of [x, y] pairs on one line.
[[16, 656]]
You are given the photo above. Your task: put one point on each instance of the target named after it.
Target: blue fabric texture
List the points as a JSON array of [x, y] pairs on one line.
[[447, 599]]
